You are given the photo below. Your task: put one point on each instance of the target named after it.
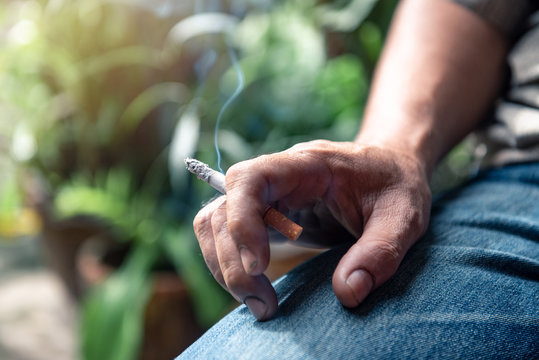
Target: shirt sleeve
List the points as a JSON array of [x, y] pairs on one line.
[[507, 16]]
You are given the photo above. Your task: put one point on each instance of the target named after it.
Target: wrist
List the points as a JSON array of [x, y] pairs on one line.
[[413, 142]]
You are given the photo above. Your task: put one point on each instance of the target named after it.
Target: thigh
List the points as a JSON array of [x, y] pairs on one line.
[[468, 288]]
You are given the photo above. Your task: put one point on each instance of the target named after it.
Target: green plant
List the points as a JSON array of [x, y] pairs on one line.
[[93, 94], [113, 311], [307, 70]]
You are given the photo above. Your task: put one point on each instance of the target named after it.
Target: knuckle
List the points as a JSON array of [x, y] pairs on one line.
[[236, 170], [247, 168], [316, 148], [415, 221], [389, 252], [313, 146], [233, 276], [217, 220], [202, 223], [416, 217], [321, 143], [244, 173], [235, 226], [298, 147], [408, 213]]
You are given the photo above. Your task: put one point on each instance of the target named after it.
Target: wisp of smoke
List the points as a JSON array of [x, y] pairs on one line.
[[235, 94]]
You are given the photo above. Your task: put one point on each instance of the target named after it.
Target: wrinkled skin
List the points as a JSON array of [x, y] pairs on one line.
[[440, 71], [380, 196]]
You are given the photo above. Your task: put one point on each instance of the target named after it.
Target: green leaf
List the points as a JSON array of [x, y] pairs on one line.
[[371, 39], [113, 314], [10, 197], [347, 18], [209, 299], [200, 24], [127, 56], [183, 145], [149, 99]]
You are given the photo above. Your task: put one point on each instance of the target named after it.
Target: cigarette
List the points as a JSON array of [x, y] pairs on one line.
[[271, 217]]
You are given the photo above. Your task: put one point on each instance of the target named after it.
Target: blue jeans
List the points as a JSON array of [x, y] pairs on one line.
[[468, 289]]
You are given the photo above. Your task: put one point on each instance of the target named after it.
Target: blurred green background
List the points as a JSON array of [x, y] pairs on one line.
[[100, 102]]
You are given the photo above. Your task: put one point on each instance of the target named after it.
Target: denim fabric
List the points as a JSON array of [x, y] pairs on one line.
[[468, 289]]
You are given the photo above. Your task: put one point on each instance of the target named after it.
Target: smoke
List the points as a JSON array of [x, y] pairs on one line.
[[235, 94], [207, 60], [210, 18]]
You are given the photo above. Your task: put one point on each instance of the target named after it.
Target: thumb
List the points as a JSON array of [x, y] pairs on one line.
[[371, 261]]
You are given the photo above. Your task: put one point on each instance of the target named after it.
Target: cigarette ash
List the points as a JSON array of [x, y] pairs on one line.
[[201, 170]]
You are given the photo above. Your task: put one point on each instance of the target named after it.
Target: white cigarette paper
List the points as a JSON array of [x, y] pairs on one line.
[[217, 180], [207, 174]]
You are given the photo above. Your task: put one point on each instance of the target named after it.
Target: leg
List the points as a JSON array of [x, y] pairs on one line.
[[468, 289]]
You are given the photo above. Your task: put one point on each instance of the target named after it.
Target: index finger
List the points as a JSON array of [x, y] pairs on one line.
[[251, 186], [247, 194]]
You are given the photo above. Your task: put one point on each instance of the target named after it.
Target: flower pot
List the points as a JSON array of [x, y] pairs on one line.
[[170, 325]]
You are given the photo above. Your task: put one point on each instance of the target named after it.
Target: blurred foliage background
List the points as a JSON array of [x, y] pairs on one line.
[[101, 100]]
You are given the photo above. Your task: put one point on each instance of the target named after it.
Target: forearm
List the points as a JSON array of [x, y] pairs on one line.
[[440, 71]]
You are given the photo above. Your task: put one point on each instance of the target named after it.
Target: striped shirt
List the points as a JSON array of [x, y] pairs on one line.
[[511, 133]]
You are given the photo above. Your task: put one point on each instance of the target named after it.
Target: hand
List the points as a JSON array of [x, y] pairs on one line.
[[379, 195]]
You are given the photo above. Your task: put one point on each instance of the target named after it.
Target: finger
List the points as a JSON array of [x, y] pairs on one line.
[[292, 178], [375, 257], [209, 220], [248, 190], [255, 291], [265, 306], [202, 225]]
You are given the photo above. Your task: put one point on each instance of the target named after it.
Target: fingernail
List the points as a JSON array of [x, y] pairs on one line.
[[361, 283], [258, 307], [248, 259]]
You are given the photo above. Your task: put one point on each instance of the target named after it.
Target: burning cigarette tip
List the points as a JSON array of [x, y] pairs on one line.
[[200, 169]]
